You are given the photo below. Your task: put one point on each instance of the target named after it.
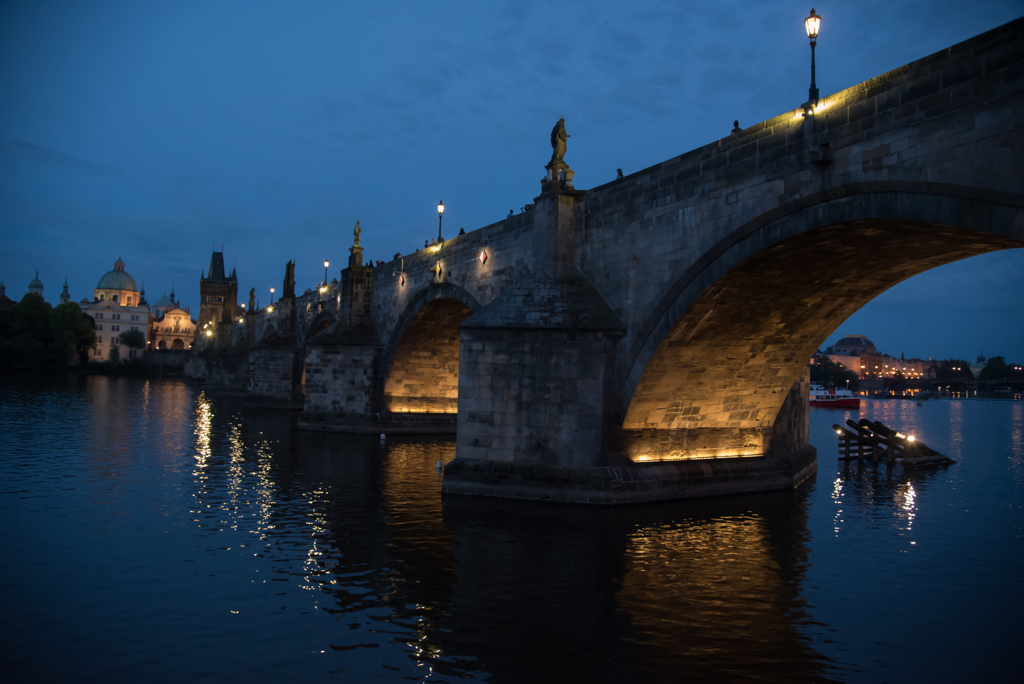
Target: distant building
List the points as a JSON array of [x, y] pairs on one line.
[[5, 301], [859, 354], [117, 286], [171, 325], [64, 296], [36, 286], [216, 289], [173, 329], [116, 308]]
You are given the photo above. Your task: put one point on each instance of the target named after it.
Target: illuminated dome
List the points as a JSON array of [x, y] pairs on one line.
[[855, 343], [118, 279]]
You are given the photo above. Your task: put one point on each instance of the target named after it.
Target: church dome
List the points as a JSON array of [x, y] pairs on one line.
[[118, 279], [855, 343], [36, 283], [165, 301]]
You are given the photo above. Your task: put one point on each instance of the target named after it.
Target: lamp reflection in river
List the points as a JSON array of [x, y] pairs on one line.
[[204, 417]]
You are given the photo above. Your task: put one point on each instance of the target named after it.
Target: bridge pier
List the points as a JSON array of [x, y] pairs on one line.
[[276, 364], [342, 376], [498, 452]]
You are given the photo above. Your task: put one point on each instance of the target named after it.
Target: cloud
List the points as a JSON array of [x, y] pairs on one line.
[[14, 150]]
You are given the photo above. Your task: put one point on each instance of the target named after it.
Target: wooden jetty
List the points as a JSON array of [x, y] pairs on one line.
[[872, 441]]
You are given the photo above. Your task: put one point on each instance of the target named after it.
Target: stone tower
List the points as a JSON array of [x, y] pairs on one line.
[[64, 296], [215, 288]]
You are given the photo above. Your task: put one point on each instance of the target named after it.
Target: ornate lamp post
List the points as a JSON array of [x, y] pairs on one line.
[[440, 214], [812, 24], [271, 296], [326, 264]]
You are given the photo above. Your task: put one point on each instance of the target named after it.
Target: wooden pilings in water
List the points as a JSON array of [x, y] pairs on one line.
[[873, 441]]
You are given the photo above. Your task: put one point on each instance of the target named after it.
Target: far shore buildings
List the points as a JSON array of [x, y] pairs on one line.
[[117, 307], [172, 326], [859, 354]]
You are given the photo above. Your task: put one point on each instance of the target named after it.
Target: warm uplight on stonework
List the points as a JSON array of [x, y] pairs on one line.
[[698, 455]]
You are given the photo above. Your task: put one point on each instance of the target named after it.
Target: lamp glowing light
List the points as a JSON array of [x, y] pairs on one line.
[[440, 214], [812, 24]]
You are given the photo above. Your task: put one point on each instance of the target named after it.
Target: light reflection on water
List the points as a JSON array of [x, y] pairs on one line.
[[214, 543]]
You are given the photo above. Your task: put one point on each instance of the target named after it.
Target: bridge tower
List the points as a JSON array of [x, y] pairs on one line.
[[215, 289]]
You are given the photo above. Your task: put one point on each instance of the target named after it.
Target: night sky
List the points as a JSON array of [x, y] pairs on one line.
[[151, 131]]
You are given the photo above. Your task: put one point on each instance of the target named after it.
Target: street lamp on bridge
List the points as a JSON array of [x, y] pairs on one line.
[[271, 296], [326, 264], [812, 24], [440, 214]]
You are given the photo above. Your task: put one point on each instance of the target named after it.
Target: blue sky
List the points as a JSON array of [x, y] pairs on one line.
[[151, 131]]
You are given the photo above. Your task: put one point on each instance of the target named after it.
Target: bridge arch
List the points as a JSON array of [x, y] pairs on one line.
[[268, 332], [320, 322], [727, 339], [420, 360]]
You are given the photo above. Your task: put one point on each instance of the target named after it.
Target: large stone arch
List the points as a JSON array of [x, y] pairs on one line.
[[727, 339], [421, 357]]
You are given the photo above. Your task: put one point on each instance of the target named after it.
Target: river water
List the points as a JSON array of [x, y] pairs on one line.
[[154, 533]]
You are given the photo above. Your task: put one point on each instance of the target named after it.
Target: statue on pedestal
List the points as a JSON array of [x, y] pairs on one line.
[[252, 300], [289, 280], [559, 138], [358, 232], [559, 174]]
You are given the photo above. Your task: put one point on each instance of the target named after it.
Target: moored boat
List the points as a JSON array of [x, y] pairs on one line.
[[833, 398]]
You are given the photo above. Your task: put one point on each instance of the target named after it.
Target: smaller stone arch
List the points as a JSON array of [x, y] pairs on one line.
[[320, 322], [269, 331], [420, 362]]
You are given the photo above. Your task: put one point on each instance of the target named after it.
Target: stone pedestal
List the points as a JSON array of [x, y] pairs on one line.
[[558, 178]]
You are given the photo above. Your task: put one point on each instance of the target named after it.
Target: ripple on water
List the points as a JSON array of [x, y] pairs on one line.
[[156, 531]]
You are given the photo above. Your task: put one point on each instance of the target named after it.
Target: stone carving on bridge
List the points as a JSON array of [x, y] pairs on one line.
[[559, 174], [356, 256], [289, 281], [559, 140], [252, 300]]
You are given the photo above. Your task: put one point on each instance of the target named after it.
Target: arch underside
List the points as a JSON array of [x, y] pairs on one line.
[[715, 383], [322, 322], [424, 372]]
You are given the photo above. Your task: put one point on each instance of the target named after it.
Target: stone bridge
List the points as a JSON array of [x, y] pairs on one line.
[[649, 338]]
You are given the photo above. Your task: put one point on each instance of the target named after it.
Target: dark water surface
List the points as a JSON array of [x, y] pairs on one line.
[[153, 533]]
